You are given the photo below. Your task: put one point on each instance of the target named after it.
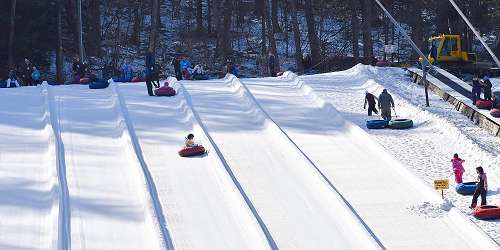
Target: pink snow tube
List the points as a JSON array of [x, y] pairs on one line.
[[192, 151], [137, 79], [495, 113], [165, 91]]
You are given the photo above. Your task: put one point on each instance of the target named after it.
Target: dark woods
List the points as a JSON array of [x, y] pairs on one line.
[[301, 34]]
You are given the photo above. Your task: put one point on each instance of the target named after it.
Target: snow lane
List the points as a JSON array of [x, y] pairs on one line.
[[367, 176], [108, 194], [202, 207], [28, 177], [298, 207]]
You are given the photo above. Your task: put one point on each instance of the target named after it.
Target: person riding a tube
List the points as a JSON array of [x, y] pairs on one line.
[[190, 141]]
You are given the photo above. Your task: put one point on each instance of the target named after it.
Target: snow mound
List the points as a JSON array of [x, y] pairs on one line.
[[431, 210]]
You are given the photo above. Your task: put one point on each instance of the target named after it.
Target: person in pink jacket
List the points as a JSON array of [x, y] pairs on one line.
[[458, 169]]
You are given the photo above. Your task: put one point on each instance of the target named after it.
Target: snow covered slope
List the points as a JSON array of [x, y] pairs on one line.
[[29, 191], [203, 208], [369, 178], [294, 201], [439, 130], [109, 201]]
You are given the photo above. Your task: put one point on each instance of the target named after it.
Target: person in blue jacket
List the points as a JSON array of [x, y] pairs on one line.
[[127, 72], [35, 76]]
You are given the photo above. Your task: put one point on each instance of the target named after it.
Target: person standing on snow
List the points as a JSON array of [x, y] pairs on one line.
[[481, 189], [487, 88], [458, 169], [35, 76], [151, 73], [476, 89], [272, 64], [177, 68], [12, 80], [371, 100], [385, 103], [127, 72], [26, 71]]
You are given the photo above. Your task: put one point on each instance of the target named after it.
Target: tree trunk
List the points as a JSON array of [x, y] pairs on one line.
[[226, 30], [94, 35], [11, 33], [153, 36], [263, 30], [416, 23], [59, 49], [209, 16], [355, 29], [296, 36], [136, 27], [367, 29], [199, 16], [272, 40], [274, 16], [311, 32]]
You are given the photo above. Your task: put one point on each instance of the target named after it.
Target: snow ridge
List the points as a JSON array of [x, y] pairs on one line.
[[130, 131], [64, 219]]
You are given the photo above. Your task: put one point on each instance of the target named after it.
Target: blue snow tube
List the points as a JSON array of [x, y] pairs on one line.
[[52, 83], [376, 124], [3, 84], [466, 188], [99, 84]]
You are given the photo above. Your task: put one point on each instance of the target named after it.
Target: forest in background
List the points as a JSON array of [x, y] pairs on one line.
[[211, 32]]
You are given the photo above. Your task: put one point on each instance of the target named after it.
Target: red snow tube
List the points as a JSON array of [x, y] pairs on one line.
[[192, 151], [495, 112], [85, 80], [383, 63], [487, 212], [137, 79], [482, 104], [165, 91]]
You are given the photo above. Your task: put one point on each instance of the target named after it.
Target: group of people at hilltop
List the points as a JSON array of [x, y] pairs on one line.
[[26, 74], [483, 84]]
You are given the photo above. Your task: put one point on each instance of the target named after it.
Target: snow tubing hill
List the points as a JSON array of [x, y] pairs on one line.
[[376, 124], [165, 91], [482, 104], [192, 151], [99, 84], [487, 212], [466, 188], [401, 124], [495, 113]]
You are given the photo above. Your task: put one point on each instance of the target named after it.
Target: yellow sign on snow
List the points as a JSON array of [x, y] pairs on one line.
[[441, 184]]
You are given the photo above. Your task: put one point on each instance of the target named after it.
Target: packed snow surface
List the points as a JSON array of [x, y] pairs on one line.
[[290, 165], [439, 131]]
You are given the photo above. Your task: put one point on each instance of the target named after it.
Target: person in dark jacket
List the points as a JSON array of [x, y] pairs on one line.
[[78, 70], [481, 189], [152, 73], [385, 103], [487, 88], [371, 100], [271, 60], [476, 89], [177, 68], [26, 71]]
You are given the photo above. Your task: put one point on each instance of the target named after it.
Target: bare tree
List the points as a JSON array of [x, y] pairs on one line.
[[59, 50], [296, 36], [354, 29], [94, 31], [367, 28], [12, 32], [311, 32], [199, 16], [153, 36]]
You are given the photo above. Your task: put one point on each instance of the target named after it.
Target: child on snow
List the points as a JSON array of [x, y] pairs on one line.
[[481, 189], [458, 169], [190, 141]]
